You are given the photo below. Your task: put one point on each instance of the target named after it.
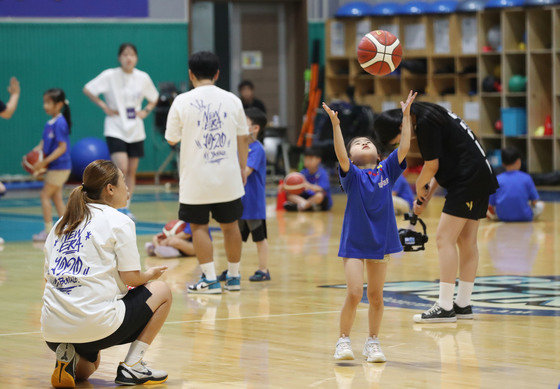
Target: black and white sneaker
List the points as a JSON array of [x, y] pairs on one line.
[[63, 375], [139, 374], [436, 314], [463, 313]]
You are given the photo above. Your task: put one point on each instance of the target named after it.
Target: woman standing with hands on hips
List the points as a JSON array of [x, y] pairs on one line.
[[455, 160], [124, 89]]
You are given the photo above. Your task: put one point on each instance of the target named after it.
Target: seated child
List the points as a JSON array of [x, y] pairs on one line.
[[179, 245], [317, 195], [516, 200], [402, 196]]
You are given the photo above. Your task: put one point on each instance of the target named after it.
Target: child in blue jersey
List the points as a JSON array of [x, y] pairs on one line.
[[402, 196], [56, 156], [516, 200], [369, 230], [317, 194], [253, 220]]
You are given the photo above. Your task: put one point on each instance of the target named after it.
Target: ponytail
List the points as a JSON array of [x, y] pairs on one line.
[[97, 176], [57, 95]]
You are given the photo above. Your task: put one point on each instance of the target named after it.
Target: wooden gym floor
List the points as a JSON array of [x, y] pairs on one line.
[[282, 333]]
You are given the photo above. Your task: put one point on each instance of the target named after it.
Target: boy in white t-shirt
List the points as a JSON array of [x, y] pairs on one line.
[[210, 124]]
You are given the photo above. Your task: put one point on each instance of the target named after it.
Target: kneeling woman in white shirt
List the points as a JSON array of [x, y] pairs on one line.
[[91, 256]]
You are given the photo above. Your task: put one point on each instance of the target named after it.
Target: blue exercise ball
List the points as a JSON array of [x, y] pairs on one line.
[[414, 7], [385, 9], [85, 151], [354, 9], [471, 5], [503, 3], [533, 3], [442, 7]]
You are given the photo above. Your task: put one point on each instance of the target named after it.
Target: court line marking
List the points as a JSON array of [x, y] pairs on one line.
[[214, 320]]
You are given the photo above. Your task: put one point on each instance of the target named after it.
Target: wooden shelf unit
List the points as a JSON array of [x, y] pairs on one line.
[[454, 76]]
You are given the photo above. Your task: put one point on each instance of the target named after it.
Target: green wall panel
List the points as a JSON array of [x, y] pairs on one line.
[[67, 55], [316, 30]]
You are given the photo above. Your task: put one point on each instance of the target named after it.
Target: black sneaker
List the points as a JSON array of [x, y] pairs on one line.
[[63, 375], [260, 276], [289, 206], [223, 277], [463, 313], [436, 314]]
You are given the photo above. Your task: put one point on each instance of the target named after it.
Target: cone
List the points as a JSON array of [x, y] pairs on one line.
[[281, 197]]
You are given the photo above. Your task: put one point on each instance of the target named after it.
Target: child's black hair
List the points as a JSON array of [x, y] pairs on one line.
[[57, 96], [510, 155], [245, 83], [204, 65], [313, 152], [257, 117], [125, 46]]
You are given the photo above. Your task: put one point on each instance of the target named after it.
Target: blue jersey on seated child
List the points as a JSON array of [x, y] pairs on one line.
[[254, 201], [56, 131], [402, 190], [512, 198], [321, 178], [369, 230]]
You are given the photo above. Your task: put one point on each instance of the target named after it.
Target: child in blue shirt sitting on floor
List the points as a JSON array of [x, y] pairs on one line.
[[369, 229], [516, 200], [402, 196]]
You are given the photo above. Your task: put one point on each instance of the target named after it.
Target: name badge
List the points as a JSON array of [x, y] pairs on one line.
[[131, 113]]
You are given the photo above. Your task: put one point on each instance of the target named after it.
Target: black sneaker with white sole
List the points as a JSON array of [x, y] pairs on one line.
[[436, 314], [464, 312], [139, 374]]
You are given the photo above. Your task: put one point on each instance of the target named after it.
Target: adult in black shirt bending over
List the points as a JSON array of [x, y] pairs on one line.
[[246, 91], [454, 159]]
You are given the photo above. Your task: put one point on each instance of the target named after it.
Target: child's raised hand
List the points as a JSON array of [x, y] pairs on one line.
[[332, 114], [406, 106]]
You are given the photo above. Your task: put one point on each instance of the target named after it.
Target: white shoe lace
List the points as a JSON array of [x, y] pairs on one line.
[[373, 347], [433, 309], [342, 346]]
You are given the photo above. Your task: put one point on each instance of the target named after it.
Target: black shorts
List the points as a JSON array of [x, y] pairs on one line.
[[221, 212], [133, 150], [136, 317], [255, 227], [324, 204], [473, 209]]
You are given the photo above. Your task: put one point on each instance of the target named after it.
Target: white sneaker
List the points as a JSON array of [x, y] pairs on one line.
[[40, 237], [139, 374], [150, 249], [343, 350], [166, 252], [372, 350]]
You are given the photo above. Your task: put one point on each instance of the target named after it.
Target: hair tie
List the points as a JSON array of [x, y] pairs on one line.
[[68, 103]]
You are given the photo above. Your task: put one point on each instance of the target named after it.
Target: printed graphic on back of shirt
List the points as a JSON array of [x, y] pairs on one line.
[[67, 266], [213, 140]]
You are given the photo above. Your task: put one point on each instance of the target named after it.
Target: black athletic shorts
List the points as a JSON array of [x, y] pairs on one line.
[[255, 227], [473, 209], [133, 150], [221, 212], [136, 317], [324, 204]]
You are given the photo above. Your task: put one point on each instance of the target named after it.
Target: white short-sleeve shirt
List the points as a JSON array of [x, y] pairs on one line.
[[207, 121], [124, 92], [82, 298]]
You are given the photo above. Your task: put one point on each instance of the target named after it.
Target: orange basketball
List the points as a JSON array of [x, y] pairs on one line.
[[31, 159], [379, 52], [294, 183], [174, 227]]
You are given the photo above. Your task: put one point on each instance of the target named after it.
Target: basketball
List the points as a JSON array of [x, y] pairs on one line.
[[379, 52], [294, 183], [31, 159], [173, 228]]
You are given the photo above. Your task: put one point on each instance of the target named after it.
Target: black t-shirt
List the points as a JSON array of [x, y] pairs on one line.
[[256, 103], [463, 168], [2, 106]]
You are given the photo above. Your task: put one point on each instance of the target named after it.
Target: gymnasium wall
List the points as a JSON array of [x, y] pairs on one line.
[[67, 55]]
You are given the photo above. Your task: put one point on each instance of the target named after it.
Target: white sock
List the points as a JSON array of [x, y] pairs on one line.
[[446, 292], [464, 293], [48, 226], [233, 269], [209, 271], [136, 352]]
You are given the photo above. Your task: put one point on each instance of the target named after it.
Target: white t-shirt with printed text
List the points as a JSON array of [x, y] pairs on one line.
[[82, 299], [207, 121], [124, 92]]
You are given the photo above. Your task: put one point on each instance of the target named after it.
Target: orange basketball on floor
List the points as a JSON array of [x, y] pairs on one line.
[[379, 52], [31, 159], [174, 227], [294, 183]]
